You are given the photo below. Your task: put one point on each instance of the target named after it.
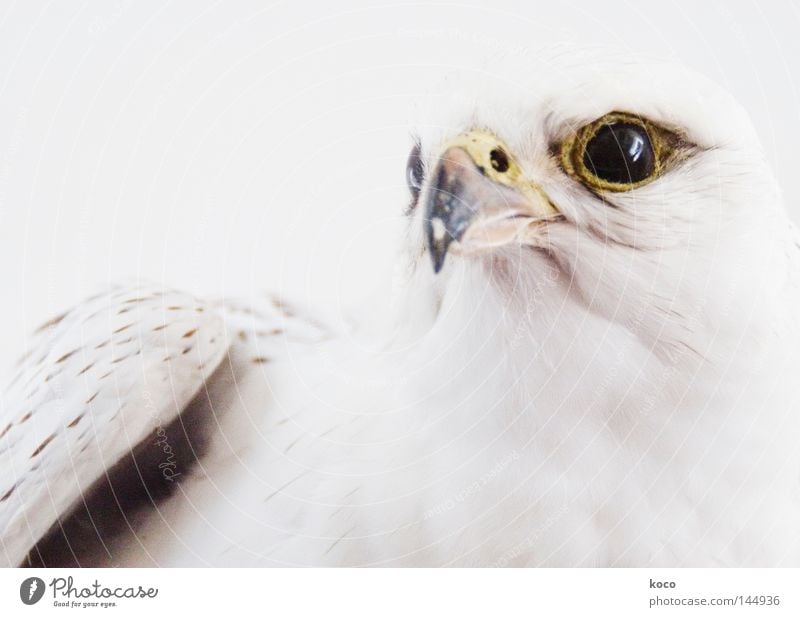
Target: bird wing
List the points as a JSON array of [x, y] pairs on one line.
[[95, 382]]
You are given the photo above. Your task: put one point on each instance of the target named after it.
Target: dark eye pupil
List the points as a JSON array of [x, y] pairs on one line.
[[415, 172], [620, 153]]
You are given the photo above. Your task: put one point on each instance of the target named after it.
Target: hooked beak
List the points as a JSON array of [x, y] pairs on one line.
[[479, 198]]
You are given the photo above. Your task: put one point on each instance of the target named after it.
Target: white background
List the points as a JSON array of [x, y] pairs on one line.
[[231, 147]]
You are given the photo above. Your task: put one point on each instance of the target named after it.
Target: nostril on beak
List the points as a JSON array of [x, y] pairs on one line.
[[499, 160]]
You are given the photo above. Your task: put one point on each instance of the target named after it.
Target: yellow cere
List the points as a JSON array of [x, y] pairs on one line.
[[495, 160]]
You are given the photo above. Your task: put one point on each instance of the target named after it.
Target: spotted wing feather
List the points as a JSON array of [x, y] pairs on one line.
[[95, 383]]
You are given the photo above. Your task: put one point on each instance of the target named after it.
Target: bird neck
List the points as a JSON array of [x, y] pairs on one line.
[[483, 338]]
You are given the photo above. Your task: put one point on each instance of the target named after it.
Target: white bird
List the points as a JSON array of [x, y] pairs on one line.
[[598, 370]]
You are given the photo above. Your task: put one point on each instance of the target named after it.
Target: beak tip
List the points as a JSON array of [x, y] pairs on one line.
[[439, 240], [438, 262], [438, 251]]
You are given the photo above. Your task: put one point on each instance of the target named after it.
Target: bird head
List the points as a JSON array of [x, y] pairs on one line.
[[638, 191]]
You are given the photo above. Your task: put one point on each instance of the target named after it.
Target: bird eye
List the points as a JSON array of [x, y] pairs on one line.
[[415, 173], [617, 152], [620, 153]]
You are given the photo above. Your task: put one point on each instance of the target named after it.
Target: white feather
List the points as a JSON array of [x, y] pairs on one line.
[[94, 384]]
